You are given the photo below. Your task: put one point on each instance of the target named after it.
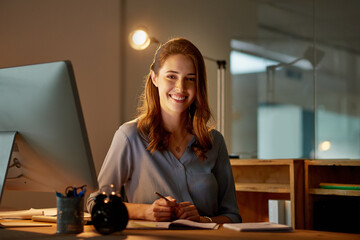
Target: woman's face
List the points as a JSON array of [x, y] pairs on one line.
[[176, 83]]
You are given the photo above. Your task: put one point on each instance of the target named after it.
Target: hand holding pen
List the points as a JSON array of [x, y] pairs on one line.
[[162, 209], [183, 210], [171, 203]]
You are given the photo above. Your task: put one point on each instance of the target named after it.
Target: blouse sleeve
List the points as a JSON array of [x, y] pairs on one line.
[[116, 168], [223, 173]]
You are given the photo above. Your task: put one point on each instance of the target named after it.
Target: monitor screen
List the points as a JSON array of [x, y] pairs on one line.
[[40, 107]]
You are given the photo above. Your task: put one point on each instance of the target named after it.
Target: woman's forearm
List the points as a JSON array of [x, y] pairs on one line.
[[137, 210], [141, 211]]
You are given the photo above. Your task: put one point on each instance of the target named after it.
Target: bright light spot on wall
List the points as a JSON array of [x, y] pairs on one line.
[[242, 63], [324, 146], [139, 39]]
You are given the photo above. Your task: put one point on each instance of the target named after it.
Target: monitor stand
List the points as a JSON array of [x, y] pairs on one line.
[[7, 140]]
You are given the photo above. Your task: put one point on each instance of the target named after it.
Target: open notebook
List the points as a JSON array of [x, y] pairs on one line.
[[177, 224]]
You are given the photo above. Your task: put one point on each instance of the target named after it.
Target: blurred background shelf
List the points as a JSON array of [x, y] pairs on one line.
[[335, 210], [338, 192], [263, 187], [257, 181]]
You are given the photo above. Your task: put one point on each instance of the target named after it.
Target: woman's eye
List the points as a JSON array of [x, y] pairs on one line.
[[191, 79], [171, 76]]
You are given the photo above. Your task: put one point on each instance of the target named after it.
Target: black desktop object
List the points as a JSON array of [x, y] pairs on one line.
[[109, 213], [44, 145]]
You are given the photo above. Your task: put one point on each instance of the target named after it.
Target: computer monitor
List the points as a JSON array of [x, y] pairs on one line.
[[44, 145]]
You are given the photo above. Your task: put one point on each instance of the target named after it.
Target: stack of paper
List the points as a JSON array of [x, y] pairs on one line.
[[13, 224], [258, 227], [21, 214], [13, 217]]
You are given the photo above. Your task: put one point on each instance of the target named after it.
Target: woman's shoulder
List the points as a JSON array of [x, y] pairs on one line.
[[129, 129], [216, 136]]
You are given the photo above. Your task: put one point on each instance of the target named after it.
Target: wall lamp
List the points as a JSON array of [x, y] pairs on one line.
[[139, 39]]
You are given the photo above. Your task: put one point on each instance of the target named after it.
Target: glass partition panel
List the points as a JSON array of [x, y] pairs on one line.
[[295, 87], [272, 89], [338, 79]]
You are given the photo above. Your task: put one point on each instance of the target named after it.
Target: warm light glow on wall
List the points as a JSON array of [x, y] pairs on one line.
[[324, 146], [139, 39]]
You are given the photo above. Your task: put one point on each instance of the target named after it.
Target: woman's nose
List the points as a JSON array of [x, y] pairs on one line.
[[180, 85]]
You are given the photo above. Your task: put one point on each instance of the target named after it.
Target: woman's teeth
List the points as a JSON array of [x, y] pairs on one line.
[[178, 98]]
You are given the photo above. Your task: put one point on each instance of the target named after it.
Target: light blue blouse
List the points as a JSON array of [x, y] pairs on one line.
[[208, 184]]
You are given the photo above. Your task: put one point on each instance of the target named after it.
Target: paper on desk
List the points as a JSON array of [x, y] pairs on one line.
[[53, 218], [258, 227], [145, 225], [21, 214], [49, 219], [13, 224], [49, 211], [50, 216]]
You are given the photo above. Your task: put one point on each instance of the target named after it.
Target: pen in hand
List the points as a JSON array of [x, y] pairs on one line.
[[172, 204]]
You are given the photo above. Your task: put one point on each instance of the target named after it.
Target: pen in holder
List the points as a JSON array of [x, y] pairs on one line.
[[70, 211]]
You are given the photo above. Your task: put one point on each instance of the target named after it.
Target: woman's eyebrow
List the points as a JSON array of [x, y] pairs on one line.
[[172, 71]]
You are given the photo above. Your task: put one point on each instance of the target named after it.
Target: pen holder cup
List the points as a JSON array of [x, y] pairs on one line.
[[70, 214]]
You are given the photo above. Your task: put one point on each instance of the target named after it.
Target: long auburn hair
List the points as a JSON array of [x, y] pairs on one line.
[[149, 119]]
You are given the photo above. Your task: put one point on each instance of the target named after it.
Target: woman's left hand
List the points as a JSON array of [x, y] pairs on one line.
[[186, 210]]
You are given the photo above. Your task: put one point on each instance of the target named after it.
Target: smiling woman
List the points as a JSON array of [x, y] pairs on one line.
[[176, 58], [176, 84], [170, 148]]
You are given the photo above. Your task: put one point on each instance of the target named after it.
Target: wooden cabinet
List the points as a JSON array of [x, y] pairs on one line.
[[332, 209], [257, 181], [312, 186]]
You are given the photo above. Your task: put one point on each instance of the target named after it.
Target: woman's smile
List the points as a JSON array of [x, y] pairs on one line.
[[177, 97]]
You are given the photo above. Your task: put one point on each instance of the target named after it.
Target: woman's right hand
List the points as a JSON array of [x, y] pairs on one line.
[[161, 210]]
